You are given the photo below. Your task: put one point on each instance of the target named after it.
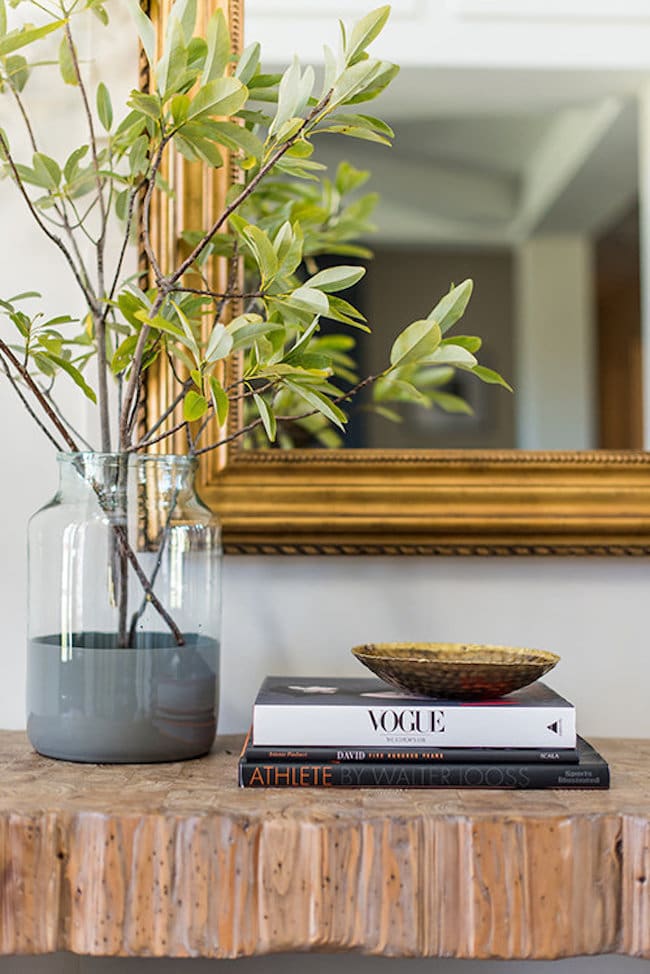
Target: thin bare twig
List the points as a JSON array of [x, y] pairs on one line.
[[39, 395], [146, 439], [146, 210], [125, 243], [229, 295], [163, 290], [287, 419], [123, 541], [144, 444], [27, 404], [232, 436], [100, 320], [64, 419], [90, 298]]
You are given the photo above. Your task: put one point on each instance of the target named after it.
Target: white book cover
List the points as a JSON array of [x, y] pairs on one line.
[[336, 712]]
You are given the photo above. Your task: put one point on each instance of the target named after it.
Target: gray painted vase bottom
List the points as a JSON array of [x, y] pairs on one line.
[[90, 701]]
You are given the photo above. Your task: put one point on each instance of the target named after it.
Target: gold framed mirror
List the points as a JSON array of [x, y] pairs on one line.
[[389, 501]]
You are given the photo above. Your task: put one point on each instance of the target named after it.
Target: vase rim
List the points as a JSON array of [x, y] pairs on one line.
[[95, 455]]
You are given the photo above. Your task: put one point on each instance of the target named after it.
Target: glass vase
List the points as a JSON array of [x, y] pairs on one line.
[[124, 612]]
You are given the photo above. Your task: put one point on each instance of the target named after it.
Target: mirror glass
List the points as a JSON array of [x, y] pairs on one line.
[[526, 181]]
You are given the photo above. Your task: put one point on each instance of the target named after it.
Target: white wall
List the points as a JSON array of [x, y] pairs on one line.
[[302, 615]]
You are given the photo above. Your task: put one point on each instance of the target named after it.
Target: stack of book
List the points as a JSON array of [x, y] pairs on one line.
[[361, 733]]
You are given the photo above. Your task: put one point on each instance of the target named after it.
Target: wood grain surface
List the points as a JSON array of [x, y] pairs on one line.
[[175, 860]]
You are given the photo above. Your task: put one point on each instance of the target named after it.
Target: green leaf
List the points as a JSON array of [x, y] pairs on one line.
[[194, 406], [245, 329], [197, 51], [147, 104], [139, 156], [341, 310], [317, 400], [180, 106], [123, 355], [104, 106], [390, 388], [218, 56], [353, 81], [356, 132], [451, 403], [388, 414], [173, 63], [223, 96], [419, 339], [309, 299], [430, 377], [185, 12], [17, 70], [16, 39], [331, 69], [219, 344], [100, 12], [188, 331], [289, 128], [132, 307], [74, 374], [289, 94], [379, 83], [365, 31], [178, 352], [25, 294], [47, 170], [72, 164], [3, 18], [452, 306], [469, 342], [248, 63], [195, 147], [336, 278], [145, 28], [302, 343], [263, 252], [44, 365], [219, 400], [267, 417], [236, 137], [66, 63], [348, 178], [450, 355], [491, 377]]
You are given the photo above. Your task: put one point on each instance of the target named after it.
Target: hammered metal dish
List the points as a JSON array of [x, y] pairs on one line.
[[455, 671]]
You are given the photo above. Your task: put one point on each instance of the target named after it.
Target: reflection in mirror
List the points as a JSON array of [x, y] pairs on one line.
[[531, 190]]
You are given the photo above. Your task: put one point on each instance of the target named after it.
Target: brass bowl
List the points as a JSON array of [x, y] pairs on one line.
[[455, 671]]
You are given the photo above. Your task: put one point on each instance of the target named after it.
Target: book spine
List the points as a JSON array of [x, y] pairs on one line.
[[403, 727], [449, 755], [510, 776]]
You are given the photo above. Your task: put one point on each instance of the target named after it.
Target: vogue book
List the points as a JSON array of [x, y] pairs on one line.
[[591, 771], [367, 713]]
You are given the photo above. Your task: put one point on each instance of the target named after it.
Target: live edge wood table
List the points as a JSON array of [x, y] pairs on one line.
[[175, 860]]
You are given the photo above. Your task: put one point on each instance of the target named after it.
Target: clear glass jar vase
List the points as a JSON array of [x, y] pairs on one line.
[[124, 612]]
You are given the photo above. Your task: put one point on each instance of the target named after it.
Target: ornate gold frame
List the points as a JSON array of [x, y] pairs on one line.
[[406, 502]]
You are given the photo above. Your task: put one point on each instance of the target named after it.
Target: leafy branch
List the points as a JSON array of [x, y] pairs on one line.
[[283, 213]]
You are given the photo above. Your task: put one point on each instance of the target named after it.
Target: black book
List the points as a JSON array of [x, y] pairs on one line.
[[407, 755], [591, 771]]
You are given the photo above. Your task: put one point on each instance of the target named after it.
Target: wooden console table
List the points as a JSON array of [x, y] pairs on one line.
[[175, 860]]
